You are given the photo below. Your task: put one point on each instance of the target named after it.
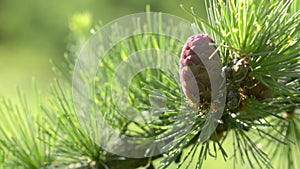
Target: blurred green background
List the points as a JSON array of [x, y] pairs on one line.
[[33, 32]]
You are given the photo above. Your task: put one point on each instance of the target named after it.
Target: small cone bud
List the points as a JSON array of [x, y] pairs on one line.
[[194, 76]]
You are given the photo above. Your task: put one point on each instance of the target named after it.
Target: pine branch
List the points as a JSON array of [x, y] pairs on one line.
[[258, 42], [233, 48]]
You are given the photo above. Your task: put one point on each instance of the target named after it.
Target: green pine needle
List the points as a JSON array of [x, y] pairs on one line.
[[23, 142]]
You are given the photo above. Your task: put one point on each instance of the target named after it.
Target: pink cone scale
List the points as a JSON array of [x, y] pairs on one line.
[[194, 76]]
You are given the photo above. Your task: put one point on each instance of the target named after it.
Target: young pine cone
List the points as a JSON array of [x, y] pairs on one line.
[[197, 57]]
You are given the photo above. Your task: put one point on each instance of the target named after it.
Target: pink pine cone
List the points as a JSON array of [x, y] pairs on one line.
[[194, 76]]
